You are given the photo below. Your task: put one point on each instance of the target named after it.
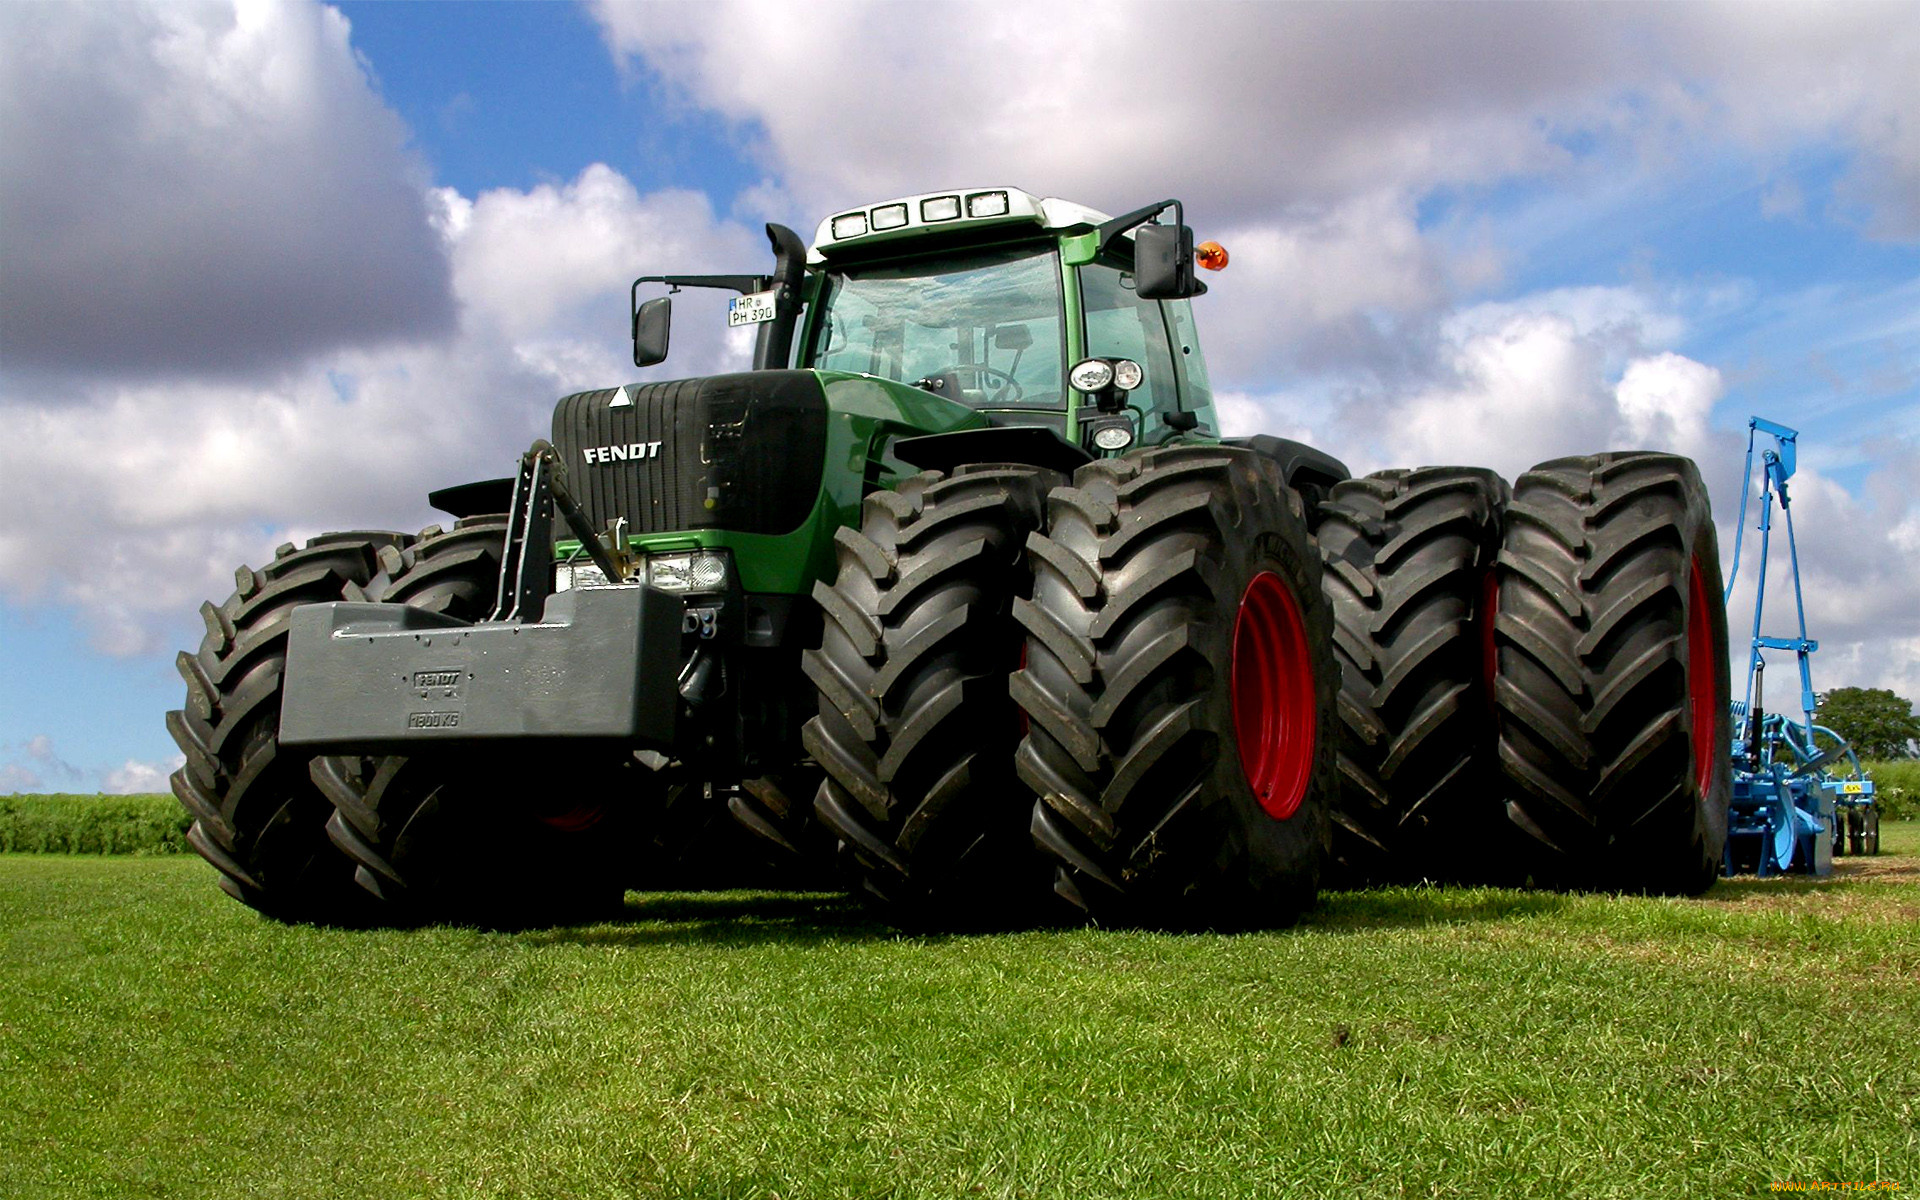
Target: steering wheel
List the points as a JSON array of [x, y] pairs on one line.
[[984, 374]]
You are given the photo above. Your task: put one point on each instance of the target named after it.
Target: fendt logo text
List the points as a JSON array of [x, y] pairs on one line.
[[632, 451]]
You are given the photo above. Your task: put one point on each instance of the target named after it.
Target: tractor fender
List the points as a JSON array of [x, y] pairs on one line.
[[1026, 445], [1300, 464], [474, 499]]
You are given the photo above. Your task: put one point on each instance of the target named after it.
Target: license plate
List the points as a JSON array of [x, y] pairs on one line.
[[750, 309]]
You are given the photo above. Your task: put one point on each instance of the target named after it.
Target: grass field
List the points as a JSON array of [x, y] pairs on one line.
[[158, 1040]]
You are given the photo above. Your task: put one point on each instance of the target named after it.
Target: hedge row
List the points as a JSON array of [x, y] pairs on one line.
[[63, 824], [1897, 788]]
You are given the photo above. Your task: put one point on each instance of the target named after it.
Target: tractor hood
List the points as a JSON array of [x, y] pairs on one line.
[[742, 452], [746, 452]]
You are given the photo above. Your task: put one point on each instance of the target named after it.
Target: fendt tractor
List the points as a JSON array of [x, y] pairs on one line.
[[959, 594]]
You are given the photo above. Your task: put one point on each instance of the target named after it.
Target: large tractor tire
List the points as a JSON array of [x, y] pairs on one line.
[[1180, 690], [256, 816], [1408, 563], [916, 732], [1611, 675], [466, 835]]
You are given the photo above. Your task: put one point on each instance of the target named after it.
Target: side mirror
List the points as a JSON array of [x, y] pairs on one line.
[[1163, 263], [650, 326]]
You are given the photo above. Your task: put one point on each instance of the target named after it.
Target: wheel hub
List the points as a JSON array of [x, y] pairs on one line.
[[1274, 705]]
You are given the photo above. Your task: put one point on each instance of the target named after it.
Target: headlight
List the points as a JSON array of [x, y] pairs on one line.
[[1091, 375], [698, 571], [850, 225], [987, 204], [889, 216], [1113, 437], [1127, 374], [578, 574]]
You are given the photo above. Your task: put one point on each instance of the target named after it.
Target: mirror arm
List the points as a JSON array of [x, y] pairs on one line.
[[1111, 231], [744, 284]]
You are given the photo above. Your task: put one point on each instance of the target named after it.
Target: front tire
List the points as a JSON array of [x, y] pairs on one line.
[[916, 731], [1180, 692], [256, 816], [1611, 678]]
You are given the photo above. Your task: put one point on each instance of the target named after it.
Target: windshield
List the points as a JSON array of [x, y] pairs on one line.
[[1121, 325], [984, 329]]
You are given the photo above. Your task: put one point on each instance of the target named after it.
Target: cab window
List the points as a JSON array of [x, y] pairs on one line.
[[1198, 389], [984, 328], [1121, 325]]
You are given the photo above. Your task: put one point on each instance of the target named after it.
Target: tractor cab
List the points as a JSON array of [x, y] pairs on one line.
[[996, 299]]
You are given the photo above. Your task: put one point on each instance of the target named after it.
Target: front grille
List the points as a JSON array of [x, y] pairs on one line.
[[741, 452]]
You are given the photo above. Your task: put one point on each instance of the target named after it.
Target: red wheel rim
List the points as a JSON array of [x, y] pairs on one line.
[[1703, 682], [578, 819], [1274, 713]]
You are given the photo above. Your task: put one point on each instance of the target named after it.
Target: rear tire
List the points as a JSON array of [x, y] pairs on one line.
[[1611, 679], [1409, 556], [1180, 688], [257, 818], [916, 731]]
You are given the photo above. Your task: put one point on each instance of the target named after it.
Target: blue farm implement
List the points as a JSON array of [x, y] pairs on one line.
[[1794, 806]]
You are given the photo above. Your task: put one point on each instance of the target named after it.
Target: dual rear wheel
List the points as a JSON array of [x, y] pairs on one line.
[[1534, 682], [1109, 698]]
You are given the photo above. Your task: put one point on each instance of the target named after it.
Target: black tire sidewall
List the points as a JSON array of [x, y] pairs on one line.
[[1176, 838], [1284, 856]]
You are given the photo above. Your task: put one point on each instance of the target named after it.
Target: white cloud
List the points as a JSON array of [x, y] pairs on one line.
[[1664, 402], [36, 766], [202, 187], [526, 262], [197, 477], [1511, 383], [1261, 108], [1577, 371], [39, 750], [1324, 286], [1859, 575], [134, 777]]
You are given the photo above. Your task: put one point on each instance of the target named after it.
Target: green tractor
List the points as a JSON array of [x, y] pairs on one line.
[[959, 593]]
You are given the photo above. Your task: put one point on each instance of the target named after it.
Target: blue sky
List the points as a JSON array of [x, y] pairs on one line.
[[354, 252]]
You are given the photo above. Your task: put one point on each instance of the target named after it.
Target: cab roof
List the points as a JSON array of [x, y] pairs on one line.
[[931, 213]]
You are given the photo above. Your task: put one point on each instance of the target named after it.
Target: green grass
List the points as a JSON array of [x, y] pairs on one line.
[[159, 1040], [67, 824]]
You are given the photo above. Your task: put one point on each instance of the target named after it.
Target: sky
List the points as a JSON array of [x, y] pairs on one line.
[[270, 269]]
